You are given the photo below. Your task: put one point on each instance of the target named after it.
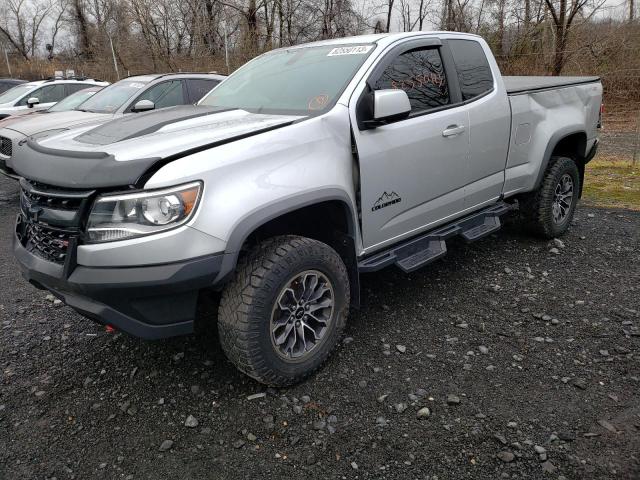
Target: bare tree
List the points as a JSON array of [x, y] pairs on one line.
[[500, 17], [389, 13], [21, 22], [61, 7], [563, 16], [82, 25], [413, 16]]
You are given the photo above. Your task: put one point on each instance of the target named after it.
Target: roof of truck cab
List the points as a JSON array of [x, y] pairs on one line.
[[379, 38]]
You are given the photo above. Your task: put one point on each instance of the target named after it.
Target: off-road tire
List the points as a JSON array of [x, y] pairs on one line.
[[537, 207], [248, 300]]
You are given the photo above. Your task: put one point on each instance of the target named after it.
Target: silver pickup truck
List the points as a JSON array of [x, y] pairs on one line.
[[305, 168]]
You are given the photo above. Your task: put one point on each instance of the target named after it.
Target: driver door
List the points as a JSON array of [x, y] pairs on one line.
[[412, 171]]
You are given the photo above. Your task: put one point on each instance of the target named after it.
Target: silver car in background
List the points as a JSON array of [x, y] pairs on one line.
[[130, 95]]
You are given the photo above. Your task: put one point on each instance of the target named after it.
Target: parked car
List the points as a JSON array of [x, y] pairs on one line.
[[8, 83], [133, 94], [70, 103], [307, 167], [42, 94]]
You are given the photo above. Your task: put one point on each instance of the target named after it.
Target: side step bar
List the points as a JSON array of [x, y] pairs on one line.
[[418, 252]]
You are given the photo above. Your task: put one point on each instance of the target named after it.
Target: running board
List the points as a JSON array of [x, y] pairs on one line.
[[418, 252]]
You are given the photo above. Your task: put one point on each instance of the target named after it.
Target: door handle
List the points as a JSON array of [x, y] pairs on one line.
[[453, 130]]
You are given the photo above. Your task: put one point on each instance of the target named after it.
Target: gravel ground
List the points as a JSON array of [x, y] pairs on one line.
[[525, 354], [616, 145]]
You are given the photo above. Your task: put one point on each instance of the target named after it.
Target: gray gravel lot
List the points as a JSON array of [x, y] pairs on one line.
[[527, 360]]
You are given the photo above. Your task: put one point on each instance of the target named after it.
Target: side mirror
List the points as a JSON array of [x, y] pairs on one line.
[[33, 101], [144, 106], [381, 107], [389, 105]]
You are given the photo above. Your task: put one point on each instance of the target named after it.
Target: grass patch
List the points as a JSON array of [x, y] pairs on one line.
[[612, 183]]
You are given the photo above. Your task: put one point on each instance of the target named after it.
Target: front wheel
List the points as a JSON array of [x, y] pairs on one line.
[[549, 210], [284, 311]]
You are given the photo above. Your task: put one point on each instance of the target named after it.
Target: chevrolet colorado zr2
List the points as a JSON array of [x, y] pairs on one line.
[[307, 167]]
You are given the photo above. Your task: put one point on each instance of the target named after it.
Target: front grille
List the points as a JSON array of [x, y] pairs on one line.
[[50, 219], [48, 243], [50, 198], [6, 147]]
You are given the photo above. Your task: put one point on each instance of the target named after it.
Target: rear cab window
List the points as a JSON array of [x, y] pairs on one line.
[[474, 73]]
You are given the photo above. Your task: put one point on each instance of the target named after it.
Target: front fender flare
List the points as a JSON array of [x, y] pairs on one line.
[[259, 217]]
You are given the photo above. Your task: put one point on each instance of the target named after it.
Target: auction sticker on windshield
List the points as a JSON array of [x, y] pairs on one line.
[[356, 50]]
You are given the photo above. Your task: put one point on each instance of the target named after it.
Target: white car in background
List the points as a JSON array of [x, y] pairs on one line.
[[72, 102], [41, 94]]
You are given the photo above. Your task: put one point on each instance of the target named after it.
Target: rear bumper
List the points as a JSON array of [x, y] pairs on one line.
[[149, 302]]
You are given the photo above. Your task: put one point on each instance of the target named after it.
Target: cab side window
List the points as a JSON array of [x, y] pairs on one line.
[[420, 73], [472, 67], [165, 94]]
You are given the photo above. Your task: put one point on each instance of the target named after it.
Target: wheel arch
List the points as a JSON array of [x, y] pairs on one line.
[[568, 142], [327, 216]]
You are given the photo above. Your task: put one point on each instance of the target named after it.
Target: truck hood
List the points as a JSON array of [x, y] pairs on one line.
[[119, 152], [36, 122]]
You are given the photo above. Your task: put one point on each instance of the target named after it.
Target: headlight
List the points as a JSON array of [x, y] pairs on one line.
[[119, 217]]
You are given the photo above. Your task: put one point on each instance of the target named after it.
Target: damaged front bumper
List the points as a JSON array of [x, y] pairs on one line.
[[149, 302]]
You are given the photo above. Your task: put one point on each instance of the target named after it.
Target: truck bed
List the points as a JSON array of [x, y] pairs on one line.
[[520, 85]]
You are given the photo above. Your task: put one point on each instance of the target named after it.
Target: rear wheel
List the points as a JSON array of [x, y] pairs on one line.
[[549, 210], [283, 313]]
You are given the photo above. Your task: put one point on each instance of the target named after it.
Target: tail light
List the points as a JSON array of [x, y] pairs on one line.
[[599, 125]]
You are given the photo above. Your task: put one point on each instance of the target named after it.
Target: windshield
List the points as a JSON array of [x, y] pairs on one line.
[[15, 93], [114, 96], [72, 101], [299, 81]]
